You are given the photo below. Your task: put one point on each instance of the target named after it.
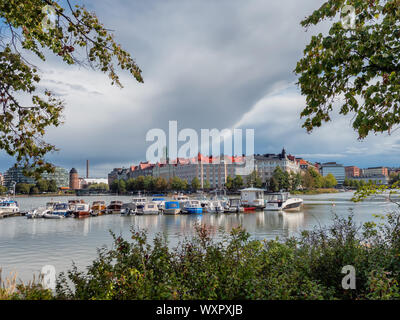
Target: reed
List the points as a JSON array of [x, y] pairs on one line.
[[8, 286]]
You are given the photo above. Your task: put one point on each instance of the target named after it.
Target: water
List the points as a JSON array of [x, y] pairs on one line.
[[28, 245]]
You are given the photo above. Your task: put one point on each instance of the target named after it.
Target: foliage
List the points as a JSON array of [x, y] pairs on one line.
[[195, 184], [77, 33], [357, 67], [237, 267], [99, 186], [254, 180]]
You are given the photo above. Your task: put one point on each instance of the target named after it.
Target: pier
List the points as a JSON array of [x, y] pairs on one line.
[[10, 214]]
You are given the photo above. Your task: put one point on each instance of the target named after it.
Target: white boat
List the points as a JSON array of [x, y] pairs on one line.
[[129, 208], [213, 207], [160, 202], [252, 197], [148, 208], [37, 213], [138, 201], [49, 215], [234, 206], [281, 201], [8, 206]]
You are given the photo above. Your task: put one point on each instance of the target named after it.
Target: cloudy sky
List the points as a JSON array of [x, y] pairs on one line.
[[206, 64]]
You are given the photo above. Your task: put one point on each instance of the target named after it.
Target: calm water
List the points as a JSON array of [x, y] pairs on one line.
[[27, 245]]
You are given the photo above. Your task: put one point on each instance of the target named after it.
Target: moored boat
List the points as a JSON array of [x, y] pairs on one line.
[[279, 201], [192, 207], [82, 210], [172, 208], [61, 209], [128, 208], [147, 209], [114, 207], [234, 206], [252, 197], [98, 208], [213, 207], [8, 206]]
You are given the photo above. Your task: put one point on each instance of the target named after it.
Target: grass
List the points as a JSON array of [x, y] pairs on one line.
[[315, 191]]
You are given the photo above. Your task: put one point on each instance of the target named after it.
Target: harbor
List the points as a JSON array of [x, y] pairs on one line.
[[29, 244]]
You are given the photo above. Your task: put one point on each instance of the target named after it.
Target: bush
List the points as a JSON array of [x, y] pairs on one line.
[[240, 268]]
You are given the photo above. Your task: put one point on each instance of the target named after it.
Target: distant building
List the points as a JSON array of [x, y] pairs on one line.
[[352, 171], [377, 179], [85, 182], [1, 179], [60, 176], [375, 171], [266, 164], [337, 170], [74, 180]]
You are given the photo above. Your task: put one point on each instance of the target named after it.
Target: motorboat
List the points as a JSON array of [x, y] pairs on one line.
[[72, 205], [253, 198], [281, 201], [114, 207], [213, 206], [61, 209], [98, 208], [234, 206], [160, 202], [148, 208], [82, 210], [37, 213], [172, 208], [129, 208], [139, 201], [8, 206], [192, 206], [50, 215]]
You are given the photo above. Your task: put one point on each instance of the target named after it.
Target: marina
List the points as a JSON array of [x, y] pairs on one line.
[[24, 243]]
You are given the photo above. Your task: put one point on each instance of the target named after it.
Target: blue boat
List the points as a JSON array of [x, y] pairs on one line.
[[172, 207], [61, 209], [193, 206]]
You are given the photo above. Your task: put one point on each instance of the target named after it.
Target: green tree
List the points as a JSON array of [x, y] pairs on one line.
[[77, 37], [22, 188], [195, 184], [176, 184], [330, 181], [295, 181], [273, 185], [254, 180], [360, 64], [238, 182], [42, 185], [52, 186], [131, 184], [140, 183], [206, 185], [229, 183], [3, 189]]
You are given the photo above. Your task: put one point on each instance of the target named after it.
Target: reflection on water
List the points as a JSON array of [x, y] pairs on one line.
[[27, 245]]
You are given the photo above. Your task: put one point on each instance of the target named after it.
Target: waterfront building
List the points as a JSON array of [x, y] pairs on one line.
[[60, 176], [1, 179], [376, 179], [164, 170], [85, 182], [375, 171], [266, 164], [337, 170], [74, 179], [352, 171]]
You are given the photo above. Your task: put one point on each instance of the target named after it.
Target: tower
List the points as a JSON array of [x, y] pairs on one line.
[[73, 179]]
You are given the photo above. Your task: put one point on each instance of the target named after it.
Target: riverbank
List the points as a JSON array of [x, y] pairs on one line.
[[315, 191], [306, 267]]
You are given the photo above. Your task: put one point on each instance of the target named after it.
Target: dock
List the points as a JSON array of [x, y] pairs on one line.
[[11, 214]]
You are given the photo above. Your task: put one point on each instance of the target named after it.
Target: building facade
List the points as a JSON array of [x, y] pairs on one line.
[[266, 164], [337, 170], [375, 171], [74, 183], [352, 171], [60, 176]]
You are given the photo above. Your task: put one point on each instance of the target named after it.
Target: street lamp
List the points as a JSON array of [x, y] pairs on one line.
[[14, 184]]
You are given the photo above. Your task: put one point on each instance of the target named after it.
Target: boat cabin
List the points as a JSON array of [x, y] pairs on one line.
[[252, 197]]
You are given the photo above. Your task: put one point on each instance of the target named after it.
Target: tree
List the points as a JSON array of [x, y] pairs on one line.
[[3, 189], [229, 183], [360, 64], [23, 188], [330, 181], [206, 185], [195, 184], [131, 184], [295, 181], [308, 181], [76, 37], [42, 185], [176, 184], [254, 180], [52, 186], [273, 185], [33, 189], [238, 182]]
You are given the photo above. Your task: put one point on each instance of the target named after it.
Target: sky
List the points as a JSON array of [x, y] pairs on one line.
[[206, 64]]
